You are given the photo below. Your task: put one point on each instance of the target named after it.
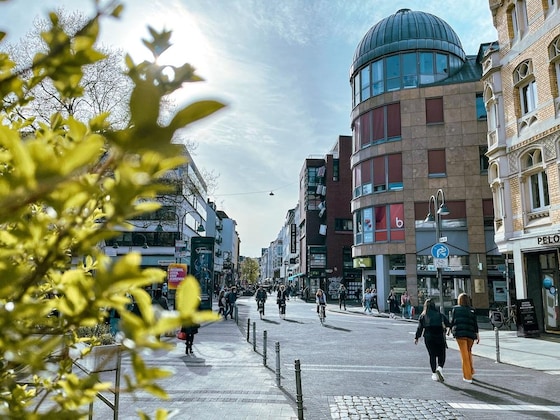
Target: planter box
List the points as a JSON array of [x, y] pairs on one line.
[[100, 358]]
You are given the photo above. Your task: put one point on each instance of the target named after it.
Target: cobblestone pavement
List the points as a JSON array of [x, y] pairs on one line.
[[365, 408]]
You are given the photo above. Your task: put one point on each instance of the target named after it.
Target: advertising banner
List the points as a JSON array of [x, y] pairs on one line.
[[176, 273], [202, 267]]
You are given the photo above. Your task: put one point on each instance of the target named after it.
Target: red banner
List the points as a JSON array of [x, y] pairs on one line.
[[176, 273]]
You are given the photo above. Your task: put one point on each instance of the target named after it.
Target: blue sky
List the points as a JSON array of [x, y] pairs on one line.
[[282, 66]]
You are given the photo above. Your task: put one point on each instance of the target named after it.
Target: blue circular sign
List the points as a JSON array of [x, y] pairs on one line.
[[440, 251], [547, 282]]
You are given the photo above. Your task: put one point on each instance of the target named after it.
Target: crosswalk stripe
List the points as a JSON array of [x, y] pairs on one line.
[[504, 407]]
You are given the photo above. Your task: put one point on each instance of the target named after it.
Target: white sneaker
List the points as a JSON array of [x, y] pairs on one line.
[[468, 380], [435, 377], [439, 373]]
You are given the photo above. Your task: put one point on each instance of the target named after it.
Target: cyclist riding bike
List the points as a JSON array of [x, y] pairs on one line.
[[321, 300], [281, 297], [260, 297]]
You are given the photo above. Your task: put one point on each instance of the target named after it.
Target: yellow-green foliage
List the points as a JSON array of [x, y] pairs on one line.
[[64, 188]]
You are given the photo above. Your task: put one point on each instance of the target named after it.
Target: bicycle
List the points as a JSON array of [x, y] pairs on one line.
[[260, 307], [322, 313], [509, 318]]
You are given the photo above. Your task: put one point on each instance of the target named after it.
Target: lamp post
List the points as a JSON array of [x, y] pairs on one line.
[[440, 209], [180, 225]]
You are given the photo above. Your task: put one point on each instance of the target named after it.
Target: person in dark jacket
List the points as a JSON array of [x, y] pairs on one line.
[[190, 331], [432, 325], [465, 330]]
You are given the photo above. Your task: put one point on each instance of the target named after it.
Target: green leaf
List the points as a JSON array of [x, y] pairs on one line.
[[194, 112]]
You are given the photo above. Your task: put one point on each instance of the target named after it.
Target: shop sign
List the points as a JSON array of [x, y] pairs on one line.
[[548, 240]]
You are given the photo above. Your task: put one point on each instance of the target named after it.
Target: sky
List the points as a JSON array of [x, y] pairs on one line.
[[282, 68]]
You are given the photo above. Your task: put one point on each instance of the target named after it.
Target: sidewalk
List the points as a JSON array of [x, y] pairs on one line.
[[224, 378], [541, 353]]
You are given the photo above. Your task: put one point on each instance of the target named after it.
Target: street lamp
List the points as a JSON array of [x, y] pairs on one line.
[[180, 225], [440, 209]]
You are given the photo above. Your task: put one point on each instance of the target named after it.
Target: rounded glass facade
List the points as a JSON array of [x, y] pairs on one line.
[[405, 50]]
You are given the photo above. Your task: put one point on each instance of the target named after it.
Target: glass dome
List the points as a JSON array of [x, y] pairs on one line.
[[407, 30]]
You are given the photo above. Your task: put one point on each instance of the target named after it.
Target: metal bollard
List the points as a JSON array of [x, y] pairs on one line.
[[299, 393], [277, 348], [496, 331], [248, 328], [264, 347], [254, 336]]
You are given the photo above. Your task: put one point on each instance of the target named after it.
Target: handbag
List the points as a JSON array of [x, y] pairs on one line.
[[181, 335]]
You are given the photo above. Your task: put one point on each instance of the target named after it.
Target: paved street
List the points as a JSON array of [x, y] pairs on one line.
[[355, 367], [361, 366]]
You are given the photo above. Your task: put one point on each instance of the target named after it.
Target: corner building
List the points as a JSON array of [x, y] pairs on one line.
[[521, 75], [419, 130]]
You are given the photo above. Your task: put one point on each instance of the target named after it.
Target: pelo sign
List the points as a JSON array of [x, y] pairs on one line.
[[548, 239]]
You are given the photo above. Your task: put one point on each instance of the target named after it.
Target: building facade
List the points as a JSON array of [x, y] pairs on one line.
[[419, 141], [325, 222], [521, 75]]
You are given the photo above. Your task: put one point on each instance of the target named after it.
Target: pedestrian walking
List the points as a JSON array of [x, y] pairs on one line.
[[367, 300], [222, 303], [432, 325], [374, 303], [342, 293], [464, 327], [281, 298], [405, 305], [190, 332], [392, 303], [231, 298]]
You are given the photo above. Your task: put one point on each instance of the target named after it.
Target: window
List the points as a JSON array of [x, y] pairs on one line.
[[483, 159], [436, 163], [393, 66], [491, 109], [537, 181], [381, 173], [554, 56], [365, 79], [380, 125], [434, 110], [377, 77], [410, 72], [336, 169], [442, 66], [381, 224], [524, 81], [343, 224], [517, 20], [357, 89], [497, 195], [488, 213], [480, 108]]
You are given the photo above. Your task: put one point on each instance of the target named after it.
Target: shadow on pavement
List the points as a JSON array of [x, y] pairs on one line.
[[336, 328]]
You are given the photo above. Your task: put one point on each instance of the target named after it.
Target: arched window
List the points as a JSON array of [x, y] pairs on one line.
[[526, 86], [554, 56], [491, 108], [536, 181]]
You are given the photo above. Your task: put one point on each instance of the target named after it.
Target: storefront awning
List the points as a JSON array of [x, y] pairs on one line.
[[295, 276]]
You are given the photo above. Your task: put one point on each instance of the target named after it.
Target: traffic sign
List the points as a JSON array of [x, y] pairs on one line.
[[440, 250]]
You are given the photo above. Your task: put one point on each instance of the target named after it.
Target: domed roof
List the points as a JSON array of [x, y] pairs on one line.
[[407, 30]]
